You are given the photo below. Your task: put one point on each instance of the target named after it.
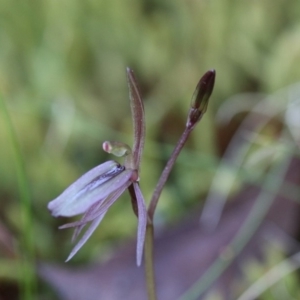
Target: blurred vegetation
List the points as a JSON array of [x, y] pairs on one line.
[[62, 77]]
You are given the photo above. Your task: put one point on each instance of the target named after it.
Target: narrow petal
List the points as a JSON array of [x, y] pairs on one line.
[[83, 220], [86, 235], [138, 116], [142, 222], [96, 214], [94, 177], [91, 193], [90, 215]]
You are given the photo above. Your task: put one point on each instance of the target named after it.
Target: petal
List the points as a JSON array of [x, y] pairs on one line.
[[98, 208], [97, 213], [84, 219], [86, 235], [142, 222], [95, 175], [74, 201], [138, 116]]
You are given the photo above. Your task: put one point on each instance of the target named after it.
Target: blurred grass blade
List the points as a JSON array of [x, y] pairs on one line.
[[271, 277], [235, 156], [270, 188], [26, 250]]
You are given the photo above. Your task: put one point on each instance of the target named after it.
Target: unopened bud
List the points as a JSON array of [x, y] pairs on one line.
[[200, 97]]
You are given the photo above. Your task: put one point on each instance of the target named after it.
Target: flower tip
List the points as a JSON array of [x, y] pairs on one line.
[[211, 75], [203, 90], [69, 257], [213, 71], [138, 263], [129, 71], [106, 146], [51, 207]]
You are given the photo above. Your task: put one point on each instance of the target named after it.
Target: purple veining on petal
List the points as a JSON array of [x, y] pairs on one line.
[[98, 208], [102, 178], [81, 182], [80, 203]]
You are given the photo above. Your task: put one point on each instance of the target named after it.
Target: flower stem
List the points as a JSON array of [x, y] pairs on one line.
[[199, 105], [166, 172], [149, 263]]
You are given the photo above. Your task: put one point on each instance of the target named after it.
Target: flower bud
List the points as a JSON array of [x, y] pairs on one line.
[[200, 98]]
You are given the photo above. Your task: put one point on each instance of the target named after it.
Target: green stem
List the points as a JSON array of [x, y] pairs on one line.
[[26, 248], [149, 263]]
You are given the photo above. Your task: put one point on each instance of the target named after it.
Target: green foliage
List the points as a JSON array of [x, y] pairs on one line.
[[62, 76]]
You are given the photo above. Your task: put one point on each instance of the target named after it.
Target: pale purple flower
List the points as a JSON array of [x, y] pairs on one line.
[[96, 191]]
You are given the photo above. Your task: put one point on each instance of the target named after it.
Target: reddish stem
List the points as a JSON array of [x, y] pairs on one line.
[[166, 172]]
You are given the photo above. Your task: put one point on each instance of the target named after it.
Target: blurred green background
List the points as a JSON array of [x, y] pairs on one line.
[[62, 77]]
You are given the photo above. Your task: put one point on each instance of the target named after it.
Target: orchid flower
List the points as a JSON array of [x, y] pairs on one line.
[[98, 189]]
